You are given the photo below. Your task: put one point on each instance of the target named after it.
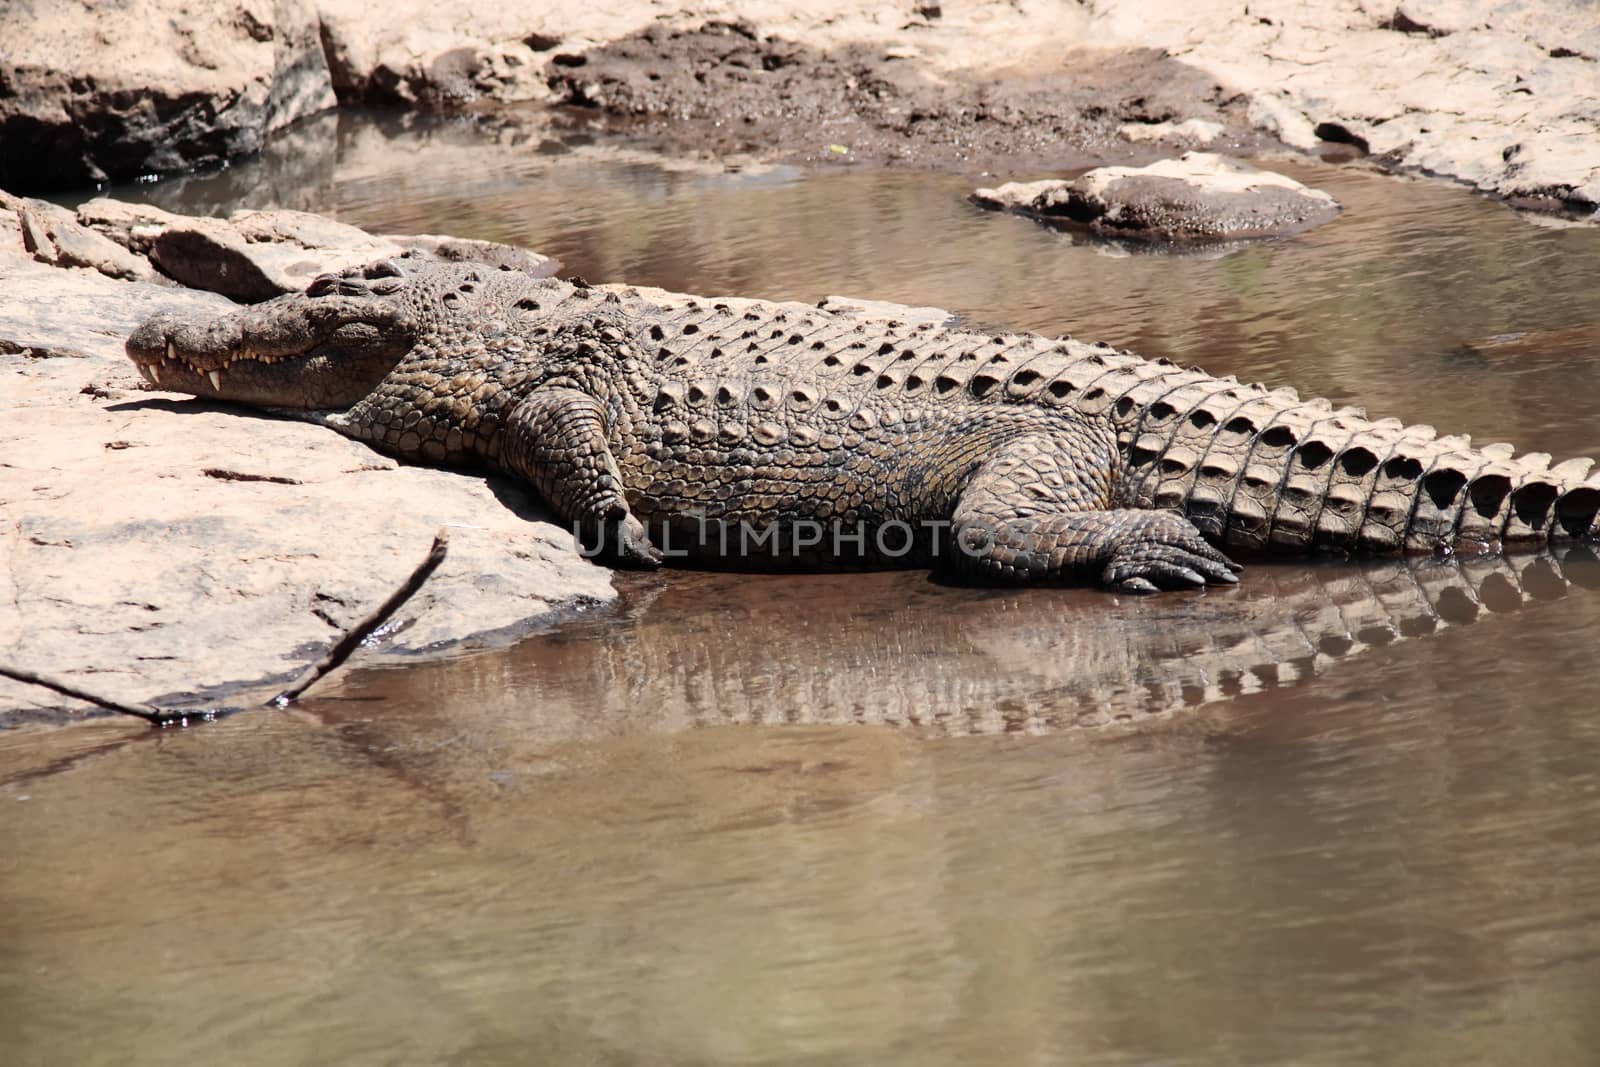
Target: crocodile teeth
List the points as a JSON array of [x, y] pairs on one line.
[[149, 375], [170, 354], [152, 371], [215, 377]]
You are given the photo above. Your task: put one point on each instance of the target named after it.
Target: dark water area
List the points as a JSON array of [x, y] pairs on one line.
[[1343, 813]]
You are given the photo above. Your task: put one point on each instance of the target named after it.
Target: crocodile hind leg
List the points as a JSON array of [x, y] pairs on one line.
[[1030, 515], [556, 439]]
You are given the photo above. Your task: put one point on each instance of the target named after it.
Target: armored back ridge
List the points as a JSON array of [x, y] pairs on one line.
[[834, 438]]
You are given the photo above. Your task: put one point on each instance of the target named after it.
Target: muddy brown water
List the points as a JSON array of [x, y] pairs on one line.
[[1341, 814]]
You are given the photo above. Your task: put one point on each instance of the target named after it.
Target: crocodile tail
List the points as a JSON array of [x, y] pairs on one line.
[[1262, 471]]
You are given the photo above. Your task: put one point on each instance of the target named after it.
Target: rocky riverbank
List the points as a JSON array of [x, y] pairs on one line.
[[1502, 94]]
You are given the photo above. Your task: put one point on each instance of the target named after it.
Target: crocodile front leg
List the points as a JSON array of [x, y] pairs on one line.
[[556, 439], [1030, 514]]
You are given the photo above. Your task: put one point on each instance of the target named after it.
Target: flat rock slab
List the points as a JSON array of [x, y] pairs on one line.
[[1196, 197], [153, 546]]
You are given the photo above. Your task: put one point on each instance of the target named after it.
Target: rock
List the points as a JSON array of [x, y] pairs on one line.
[[1197, 197], [1200, 131], [1503, 94], [256, 255], [13, 245], [91, 93], [1268, 112], [52, 234], [161, 546], [133, 226], [82, 314], [418, 53]]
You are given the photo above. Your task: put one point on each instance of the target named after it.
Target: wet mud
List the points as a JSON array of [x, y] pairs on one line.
[[729, 89]]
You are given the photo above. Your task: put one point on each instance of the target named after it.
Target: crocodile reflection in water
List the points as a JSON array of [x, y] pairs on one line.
[[697, 650]]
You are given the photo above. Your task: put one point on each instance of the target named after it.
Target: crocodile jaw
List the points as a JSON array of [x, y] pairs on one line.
[[298, 351]]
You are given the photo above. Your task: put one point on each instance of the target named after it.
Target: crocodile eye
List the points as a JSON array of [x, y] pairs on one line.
[[322, 285], [384, 268]]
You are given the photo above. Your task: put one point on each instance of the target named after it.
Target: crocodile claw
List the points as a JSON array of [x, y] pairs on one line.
[[1169, 554], [633, 546]]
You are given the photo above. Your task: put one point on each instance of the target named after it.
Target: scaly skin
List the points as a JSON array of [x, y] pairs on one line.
[[739, 431]]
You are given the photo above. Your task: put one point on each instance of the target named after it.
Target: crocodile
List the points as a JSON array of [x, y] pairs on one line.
[[743, 432]]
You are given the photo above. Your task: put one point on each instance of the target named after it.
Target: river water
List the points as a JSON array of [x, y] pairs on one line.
[[1343, 813]]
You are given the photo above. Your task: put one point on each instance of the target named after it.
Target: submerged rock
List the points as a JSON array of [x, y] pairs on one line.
[[1197, 197]]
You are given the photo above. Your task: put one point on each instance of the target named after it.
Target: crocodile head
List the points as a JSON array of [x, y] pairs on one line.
[[323, 349]]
